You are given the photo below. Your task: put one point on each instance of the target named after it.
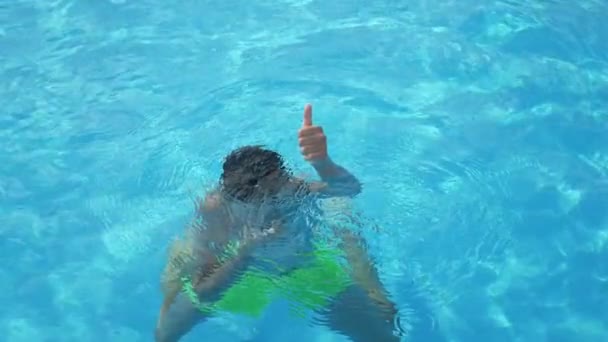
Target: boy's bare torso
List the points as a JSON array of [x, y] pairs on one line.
[[282, 226]]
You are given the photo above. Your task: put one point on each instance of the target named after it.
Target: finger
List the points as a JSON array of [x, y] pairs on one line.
[[307, 116], [320, 141], [314, 156], [308, 150], [308, 140], [309, 131]]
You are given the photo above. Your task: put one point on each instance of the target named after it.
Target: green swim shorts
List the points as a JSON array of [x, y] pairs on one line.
[[310, 287]]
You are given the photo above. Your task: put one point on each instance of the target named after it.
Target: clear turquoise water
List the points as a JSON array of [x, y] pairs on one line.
[[478, 128]]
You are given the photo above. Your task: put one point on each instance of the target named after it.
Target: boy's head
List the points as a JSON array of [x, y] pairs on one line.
[[252, 172]]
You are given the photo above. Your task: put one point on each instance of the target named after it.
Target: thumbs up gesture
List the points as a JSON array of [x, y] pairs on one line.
[[312, 140]]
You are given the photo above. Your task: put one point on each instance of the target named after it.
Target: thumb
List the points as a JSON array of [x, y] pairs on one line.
[[307, 115]]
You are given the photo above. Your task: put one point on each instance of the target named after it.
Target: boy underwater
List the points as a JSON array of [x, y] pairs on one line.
[[255, 234]]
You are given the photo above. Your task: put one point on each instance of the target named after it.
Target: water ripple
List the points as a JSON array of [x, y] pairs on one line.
[[476, 128]]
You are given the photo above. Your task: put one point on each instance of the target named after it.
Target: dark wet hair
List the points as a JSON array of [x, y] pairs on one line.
[[244, 167]]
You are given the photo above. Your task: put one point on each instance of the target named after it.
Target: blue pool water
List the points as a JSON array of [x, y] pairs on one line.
[[479, 129]]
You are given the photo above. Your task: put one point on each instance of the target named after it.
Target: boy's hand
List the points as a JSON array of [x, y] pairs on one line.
[[312, 140]]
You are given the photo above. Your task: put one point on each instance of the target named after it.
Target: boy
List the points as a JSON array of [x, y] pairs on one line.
[[261, 218]]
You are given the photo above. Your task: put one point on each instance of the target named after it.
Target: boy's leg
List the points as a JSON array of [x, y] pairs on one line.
[[177, 319], [354, 314]]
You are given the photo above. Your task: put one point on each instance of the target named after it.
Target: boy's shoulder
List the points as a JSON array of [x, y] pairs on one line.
[[210, 203]]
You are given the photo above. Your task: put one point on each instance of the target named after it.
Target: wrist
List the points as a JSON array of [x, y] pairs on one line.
[[323, 164]]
